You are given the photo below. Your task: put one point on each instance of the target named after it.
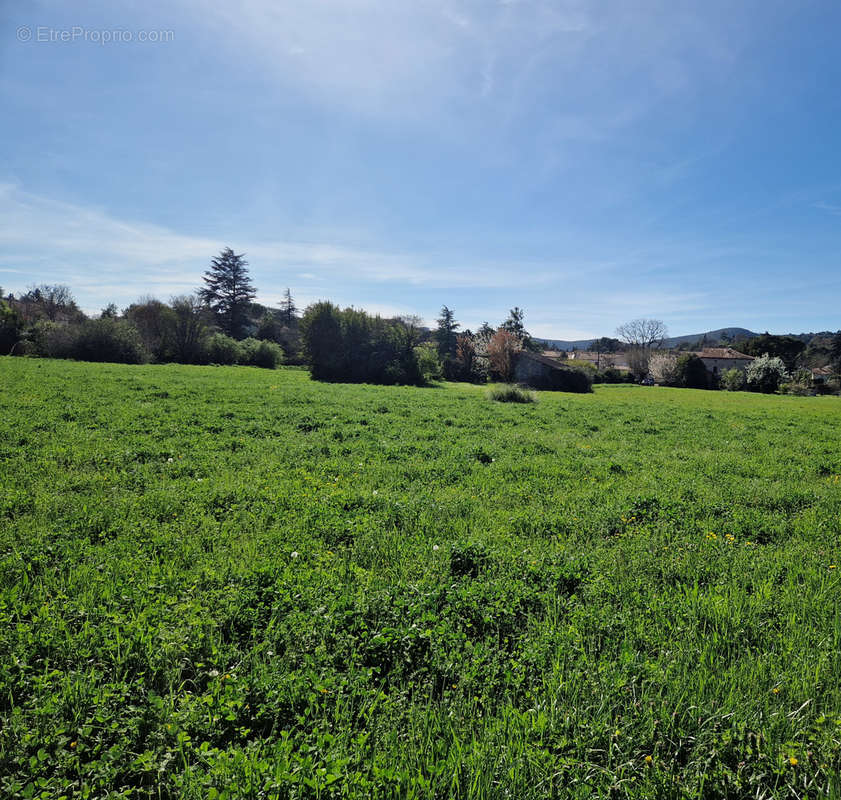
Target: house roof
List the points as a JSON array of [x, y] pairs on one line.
[[723, 352], [557, 363]]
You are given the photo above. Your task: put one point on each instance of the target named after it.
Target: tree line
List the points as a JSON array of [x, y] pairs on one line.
[[217, 324], [220, 323]]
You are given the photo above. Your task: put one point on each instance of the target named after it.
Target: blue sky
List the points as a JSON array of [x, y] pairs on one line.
[[590, 162]]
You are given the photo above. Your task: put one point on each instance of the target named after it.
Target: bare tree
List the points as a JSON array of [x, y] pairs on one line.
[[502, 353], [644, 333], [53, 301]]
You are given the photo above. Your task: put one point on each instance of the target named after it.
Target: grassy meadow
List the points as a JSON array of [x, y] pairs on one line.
[[230, 582]]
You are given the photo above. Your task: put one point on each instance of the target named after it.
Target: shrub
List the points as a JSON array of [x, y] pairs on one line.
[[800, 384], [257, 353], [613, 375], [733, 380], [352, 346], [765, 374], [222, 349], [564, 379], [512, 394], [52, 339], [428, 362], [11, 327], [108, 339]]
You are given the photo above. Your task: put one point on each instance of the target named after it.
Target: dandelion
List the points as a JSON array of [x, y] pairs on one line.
[[294, 554], [832, 566], [435, 547], [793, 761], [649, 760], [776, 690], [73, 745], [169, 461]]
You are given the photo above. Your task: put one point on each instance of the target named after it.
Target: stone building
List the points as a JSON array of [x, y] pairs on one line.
[[720, 359]]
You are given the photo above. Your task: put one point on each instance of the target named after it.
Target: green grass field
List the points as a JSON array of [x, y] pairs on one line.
[[230, 582]]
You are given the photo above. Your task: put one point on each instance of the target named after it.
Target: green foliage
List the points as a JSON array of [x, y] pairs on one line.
[[606, 344], [765, 374], [512, 394], [228, 291], [613, 375], [429, 362], [186, 331], [690, 372], [733, 380], [104, 339], [256, 353], [566, 379], [155, 322], [348, 345], [108, 339], [446, 336], [222, 349], [11, 327], [235, 583], [787, 348]]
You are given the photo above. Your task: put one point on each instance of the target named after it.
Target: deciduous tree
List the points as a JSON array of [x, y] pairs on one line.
[[502, 354], [645, 333]]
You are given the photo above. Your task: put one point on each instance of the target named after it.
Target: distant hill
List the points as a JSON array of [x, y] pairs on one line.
[[712, 337]]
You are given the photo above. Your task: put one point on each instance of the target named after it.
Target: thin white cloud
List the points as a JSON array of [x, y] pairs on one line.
[[416, 59], [106, 258], [829, 208]]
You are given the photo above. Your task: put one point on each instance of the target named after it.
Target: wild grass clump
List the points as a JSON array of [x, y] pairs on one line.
[[512, 394]]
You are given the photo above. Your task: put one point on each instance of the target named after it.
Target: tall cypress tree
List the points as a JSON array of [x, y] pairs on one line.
[[228, 291], [446, 335]]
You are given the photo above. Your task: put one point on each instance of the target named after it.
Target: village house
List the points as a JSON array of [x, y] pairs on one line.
[[720, 359], [821, 374], [543, 372]]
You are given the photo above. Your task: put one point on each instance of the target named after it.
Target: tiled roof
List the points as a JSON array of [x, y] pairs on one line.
[[723, 352], [557, 363]]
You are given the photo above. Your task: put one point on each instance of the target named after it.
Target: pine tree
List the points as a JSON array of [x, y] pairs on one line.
[[446, 335], [228, 291], [288, 312]]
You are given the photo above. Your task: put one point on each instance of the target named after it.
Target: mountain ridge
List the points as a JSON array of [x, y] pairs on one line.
[[713, 336]]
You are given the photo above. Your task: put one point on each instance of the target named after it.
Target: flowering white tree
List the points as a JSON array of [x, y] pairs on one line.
[[663, 368], [765, 374]]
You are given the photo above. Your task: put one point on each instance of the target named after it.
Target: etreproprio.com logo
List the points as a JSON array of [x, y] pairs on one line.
[[79, 33]]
